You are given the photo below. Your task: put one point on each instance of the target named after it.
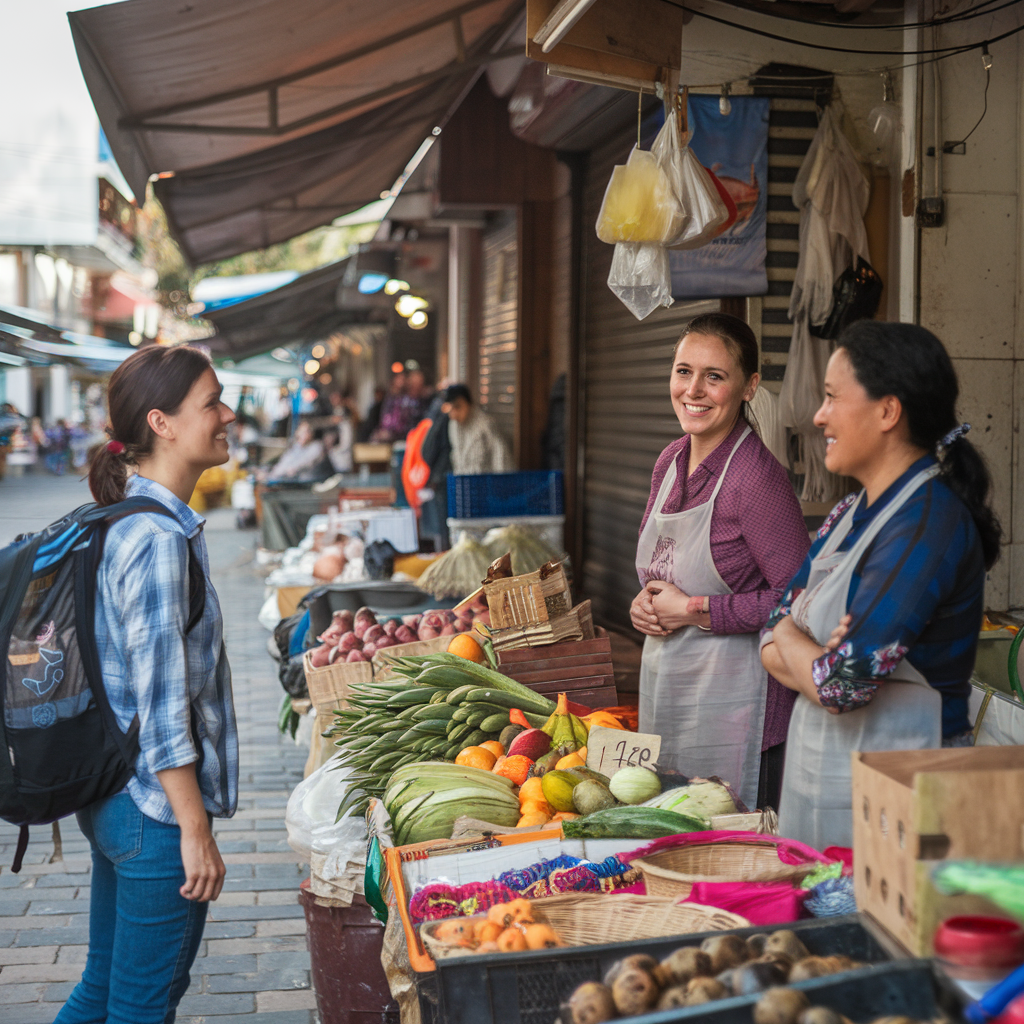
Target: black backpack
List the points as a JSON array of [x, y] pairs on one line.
[[61, 747]]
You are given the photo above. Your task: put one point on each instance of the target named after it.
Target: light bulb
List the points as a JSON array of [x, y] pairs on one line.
[[724, 106], [418, 320]]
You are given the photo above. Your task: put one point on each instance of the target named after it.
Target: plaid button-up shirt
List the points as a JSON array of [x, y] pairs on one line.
[[178, 685]]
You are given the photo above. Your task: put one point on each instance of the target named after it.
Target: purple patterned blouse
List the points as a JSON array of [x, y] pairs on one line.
[[758, 541]]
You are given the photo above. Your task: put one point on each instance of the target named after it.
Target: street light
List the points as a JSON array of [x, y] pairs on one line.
[[418, 320], [318, 352], [311, 366], [394, 286], [409, 304]]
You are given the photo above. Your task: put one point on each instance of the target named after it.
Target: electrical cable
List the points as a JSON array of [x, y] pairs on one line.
[[984, 111], [946, 50], [973, 12]]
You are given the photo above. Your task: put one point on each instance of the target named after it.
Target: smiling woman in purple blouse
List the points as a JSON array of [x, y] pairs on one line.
[[722, 537]]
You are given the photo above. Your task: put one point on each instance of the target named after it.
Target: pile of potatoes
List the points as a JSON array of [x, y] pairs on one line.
[[722, 966]]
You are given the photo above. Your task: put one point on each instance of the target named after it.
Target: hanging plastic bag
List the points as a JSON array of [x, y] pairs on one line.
[[639, 204], [700, 195], [640, 277]]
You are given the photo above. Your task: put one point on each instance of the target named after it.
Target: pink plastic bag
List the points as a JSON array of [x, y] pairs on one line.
[[758, 902]]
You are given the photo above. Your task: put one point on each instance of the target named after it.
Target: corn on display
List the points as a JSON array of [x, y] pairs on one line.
[[438, 705]]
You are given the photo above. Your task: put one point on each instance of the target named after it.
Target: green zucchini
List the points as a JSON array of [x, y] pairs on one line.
[[631, 823]]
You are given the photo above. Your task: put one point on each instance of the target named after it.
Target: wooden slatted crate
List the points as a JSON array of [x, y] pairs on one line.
[[580, 668]]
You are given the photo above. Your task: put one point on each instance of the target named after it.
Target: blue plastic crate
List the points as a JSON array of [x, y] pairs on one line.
[[494, 495]]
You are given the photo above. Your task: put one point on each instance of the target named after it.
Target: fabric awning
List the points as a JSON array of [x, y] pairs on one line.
[[306, 309], [321, 104]]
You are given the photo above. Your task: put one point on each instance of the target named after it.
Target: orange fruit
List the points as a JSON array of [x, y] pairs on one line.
[[570, 761], [515, 768], [497, 764], [536, 807], [532, 819], [511, 940], [476, 757], [464, 646], [488, 931], [531, 789], [494, 747]]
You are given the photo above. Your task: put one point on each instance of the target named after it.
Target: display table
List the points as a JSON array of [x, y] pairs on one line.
[[283, 510]]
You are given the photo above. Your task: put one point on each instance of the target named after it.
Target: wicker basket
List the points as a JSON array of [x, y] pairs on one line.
[[329, 686], [673, 873], [592, 919]]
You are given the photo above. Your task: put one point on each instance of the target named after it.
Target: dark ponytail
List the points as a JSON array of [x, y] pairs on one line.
[[910, 363], [152, 378], [738, 338]]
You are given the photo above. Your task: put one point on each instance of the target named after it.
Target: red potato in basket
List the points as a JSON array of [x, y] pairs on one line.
[[364, 620], [319, 656], [373, 634], [405, 635], [354, 656], [343, 618], [350, 642]]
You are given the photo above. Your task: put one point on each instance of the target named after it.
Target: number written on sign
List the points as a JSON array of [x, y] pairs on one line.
[[609, 750]]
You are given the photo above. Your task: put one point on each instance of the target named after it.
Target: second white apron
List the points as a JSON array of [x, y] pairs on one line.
[[905, 714], [703, 693]]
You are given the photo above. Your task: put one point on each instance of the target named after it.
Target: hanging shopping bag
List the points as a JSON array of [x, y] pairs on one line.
[[640, 277], [700, 195], [639, 203], [730, 204]]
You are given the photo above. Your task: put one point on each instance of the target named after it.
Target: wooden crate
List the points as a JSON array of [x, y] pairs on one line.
[[580, 668], [912, 808]]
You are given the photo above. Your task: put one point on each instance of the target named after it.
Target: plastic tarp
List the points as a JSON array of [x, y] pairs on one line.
[[253, 88]]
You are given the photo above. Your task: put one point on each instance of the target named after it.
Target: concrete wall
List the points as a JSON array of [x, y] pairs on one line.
[[970, 268]]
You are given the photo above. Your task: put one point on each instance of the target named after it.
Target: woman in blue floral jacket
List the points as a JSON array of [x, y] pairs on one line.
[[892, 590]]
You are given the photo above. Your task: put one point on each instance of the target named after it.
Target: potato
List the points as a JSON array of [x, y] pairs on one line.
[[591, 1003], [704, 990], [786, 941], [685, 963], [820, 1015], [725, 951], [780, 1005], [672, 997], [634, 991]]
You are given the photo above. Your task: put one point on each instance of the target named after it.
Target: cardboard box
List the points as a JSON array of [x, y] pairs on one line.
[[913, 808], [288, 599]]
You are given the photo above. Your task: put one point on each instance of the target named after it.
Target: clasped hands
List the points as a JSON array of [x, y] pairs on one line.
[[661, 608]]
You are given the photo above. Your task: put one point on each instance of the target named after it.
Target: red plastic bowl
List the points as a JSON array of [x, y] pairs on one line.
[[993, 943]]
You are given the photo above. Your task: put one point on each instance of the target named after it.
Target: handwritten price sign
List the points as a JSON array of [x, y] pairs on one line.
[[608, 750]]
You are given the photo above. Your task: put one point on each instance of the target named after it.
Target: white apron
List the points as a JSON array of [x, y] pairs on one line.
[[905, 714], [704, 694]]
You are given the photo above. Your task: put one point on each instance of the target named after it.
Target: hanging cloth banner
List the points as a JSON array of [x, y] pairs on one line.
[[735, 147]]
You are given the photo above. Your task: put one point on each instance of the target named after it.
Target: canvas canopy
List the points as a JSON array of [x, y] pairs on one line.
[[277, 114]]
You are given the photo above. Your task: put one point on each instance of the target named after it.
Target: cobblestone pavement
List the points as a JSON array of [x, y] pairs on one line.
[[253, 965]]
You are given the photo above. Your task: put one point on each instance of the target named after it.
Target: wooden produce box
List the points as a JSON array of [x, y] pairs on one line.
[[580, 668], [913, 808]]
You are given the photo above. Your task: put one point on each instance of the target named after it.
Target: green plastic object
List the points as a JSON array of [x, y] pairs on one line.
[[1011, 666], [1003, 884], [372, 878]]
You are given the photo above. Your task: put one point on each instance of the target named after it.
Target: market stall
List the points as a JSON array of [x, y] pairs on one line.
[[530, 862]]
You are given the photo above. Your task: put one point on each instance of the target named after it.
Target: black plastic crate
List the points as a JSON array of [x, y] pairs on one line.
[[533, 492], [910, 988], [528, 988]]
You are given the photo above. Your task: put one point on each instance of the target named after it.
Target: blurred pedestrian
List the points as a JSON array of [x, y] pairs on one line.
[[476, 445]]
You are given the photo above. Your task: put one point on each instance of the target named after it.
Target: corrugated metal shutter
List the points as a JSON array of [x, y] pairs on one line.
[[791, 126], [500, 324], [628, 417]]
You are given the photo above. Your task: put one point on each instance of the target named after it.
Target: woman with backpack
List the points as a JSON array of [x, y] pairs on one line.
[[155, 862]]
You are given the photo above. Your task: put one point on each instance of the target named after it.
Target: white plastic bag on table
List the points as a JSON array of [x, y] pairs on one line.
[[640, 204], [640, 277], [704, 213], [312, 808]]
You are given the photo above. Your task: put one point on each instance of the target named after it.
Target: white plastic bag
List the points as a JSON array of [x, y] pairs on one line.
[[639, 203], [640, 277], [703, 210], [312, 808]]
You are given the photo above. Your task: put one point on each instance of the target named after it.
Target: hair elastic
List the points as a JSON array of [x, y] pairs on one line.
[[115, 447], [957, 432]]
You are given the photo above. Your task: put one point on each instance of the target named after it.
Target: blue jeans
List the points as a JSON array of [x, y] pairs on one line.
[[143, 934]]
